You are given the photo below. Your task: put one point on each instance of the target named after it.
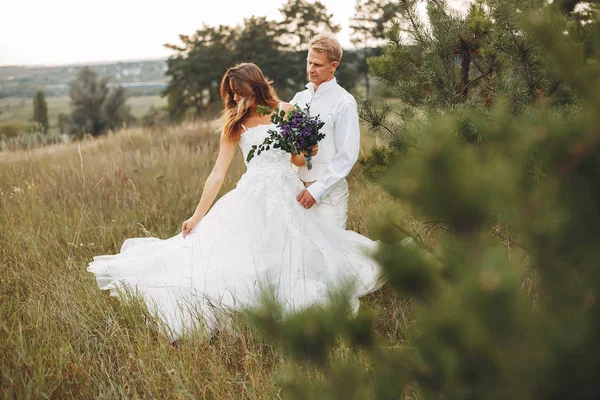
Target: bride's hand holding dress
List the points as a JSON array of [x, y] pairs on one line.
[[189, 224]]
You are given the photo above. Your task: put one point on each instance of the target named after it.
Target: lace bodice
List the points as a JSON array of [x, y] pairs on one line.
[[271, 158]]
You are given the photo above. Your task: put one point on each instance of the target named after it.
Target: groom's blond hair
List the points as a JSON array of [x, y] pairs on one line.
[[326, 43]]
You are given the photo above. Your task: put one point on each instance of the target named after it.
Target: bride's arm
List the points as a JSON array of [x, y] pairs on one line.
[[213, 183]]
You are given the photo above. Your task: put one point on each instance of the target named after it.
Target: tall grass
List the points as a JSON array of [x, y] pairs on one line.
[[60, 337]]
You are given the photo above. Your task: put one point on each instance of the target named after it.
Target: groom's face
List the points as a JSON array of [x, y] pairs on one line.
[[318, 68]]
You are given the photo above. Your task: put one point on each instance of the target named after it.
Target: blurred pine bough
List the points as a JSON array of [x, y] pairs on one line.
[[497, 142]]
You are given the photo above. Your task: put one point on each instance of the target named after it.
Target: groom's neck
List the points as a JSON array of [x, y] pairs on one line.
[[320, 84]]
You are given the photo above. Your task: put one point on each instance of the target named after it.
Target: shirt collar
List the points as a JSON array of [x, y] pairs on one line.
[[323, 87]]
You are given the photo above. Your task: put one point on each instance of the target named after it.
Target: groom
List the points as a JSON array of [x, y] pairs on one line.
[[326, 189]]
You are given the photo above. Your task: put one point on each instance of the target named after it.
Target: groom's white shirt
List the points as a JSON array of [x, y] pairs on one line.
[[338, 151]]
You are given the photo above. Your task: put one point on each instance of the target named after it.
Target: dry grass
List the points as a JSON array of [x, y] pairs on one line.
[[61, 337]]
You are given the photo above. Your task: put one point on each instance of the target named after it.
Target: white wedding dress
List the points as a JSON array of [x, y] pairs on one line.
[[256, 237]]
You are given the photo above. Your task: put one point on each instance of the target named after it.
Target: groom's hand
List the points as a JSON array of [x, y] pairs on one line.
[[305, 199], [313, 151]]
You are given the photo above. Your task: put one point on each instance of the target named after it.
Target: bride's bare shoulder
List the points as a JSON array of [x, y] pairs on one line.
[[286, 106]]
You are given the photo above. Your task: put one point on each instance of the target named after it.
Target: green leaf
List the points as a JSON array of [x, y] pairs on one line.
[[263, 110]]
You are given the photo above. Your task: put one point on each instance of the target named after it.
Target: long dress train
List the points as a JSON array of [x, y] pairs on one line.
[[255, 238]]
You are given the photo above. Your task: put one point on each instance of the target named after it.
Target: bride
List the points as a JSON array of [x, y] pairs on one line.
[[256, 238]]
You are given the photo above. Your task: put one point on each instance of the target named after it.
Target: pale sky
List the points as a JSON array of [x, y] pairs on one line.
[[74, 31]]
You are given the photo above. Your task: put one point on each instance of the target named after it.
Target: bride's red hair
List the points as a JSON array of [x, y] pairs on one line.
[[248, 81]]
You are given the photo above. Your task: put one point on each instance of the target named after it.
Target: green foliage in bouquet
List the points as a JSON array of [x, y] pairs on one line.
[[298, 131]]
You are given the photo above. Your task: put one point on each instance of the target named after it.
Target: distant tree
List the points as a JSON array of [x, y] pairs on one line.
[[371, 20], [195, 72], [368, 27], [95, 108], [303, 20], [87, 97], [116, 110], [350, 69], [258, 42], [40, 111], [64, 123]]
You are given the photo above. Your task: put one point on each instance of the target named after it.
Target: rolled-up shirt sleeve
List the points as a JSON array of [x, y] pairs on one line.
[[347, 144]]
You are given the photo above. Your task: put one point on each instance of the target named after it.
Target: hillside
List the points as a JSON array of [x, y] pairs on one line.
[[141, 77]]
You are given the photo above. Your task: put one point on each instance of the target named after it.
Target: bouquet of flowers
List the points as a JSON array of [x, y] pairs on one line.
[[298, 132]]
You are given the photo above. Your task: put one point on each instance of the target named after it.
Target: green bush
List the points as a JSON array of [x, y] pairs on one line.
[[28, 141], [12, 129]]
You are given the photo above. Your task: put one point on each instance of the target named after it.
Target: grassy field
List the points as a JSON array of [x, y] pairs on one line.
[[62, 338], [21, 109]]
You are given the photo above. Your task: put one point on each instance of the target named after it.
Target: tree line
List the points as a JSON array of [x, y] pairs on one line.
[[194, 72], [278, 47]]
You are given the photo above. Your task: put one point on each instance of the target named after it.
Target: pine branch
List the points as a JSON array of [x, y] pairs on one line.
[[444, 226], [506, 238], [377, 119], [474, 81], [410, 12], [480, 68], [524, 52]]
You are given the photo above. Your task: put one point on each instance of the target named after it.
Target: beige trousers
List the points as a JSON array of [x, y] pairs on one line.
[[333, 208]]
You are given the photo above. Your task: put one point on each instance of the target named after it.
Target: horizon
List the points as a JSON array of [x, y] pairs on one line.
[[84, 63]]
